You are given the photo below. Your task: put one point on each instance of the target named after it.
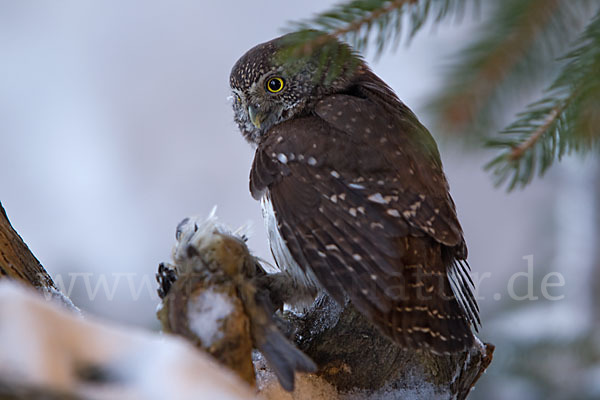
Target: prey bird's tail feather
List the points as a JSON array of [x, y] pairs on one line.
[[284, 358], [281, 354]]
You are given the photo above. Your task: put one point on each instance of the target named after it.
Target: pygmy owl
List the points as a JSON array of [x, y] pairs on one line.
[[353, 193]]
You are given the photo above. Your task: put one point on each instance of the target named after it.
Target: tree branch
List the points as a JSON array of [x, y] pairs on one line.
[[353, 355], [354, 26], [16, 260], [518, 151]]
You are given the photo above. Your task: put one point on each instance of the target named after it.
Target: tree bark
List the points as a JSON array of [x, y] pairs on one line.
[[16, 260], [353, 355]]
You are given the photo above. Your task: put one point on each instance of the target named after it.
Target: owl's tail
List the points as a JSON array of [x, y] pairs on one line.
[[436, 308]]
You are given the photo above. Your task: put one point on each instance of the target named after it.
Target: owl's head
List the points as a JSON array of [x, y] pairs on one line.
[[270, 86]]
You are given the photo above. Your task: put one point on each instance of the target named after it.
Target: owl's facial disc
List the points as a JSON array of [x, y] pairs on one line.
[[263, 104], [273, 85]]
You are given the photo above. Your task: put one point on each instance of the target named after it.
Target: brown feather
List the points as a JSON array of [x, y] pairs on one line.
[[360, 200], [366, 208]]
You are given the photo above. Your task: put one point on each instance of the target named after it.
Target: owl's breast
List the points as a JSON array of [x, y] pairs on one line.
[[282, 255]]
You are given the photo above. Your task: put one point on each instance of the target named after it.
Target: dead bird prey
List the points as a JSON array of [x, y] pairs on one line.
[[210, 297]]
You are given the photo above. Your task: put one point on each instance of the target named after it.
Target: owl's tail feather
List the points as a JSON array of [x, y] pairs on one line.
[[284, 358]]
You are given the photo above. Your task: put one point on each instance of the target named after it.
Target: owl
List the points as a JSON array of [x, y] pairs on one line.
[[353, 193]]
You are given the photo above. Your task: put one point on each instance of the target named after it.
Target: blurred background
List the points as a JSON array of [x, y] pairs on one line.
[[115, 125]]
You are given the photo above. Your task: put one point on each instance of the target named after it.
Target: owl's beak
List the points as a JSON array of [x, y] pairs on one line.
[[256, 116]]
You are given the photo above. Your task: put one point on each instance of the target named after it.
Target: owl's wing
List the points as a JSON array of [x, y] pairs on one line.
[[402, 154], [347, 213], [409, 169]]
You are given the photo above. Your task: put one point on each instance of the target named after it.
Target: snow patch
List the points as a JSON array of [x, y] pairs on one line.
[[206, 313], [420, 389], [58, 296], [44, 346], [313, 387], [307, 387]]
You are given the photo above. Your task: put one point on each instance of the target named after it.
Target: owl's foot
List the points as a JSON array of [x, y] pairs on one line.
[[282, 289]]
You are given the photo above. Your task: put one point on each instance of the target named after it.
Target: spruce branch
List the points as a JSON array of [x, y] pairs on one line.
[[357, 21], [517, 152], [366, 20], [565, 120], [517, 49]]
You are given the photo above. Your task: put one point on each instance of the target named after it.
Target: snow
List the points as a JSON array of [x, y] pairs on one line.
[[56, 295], [308, 387], [206, 313], [312, 387], [44, 345], [421, 390]]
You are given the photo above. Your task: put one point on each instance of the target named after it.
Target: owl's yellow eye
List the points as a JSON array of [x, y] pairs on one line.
[[275, 84]]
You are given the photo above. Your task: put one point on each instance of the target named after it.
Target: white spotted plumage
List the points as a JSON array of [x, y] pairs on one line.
[[362, 210]]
